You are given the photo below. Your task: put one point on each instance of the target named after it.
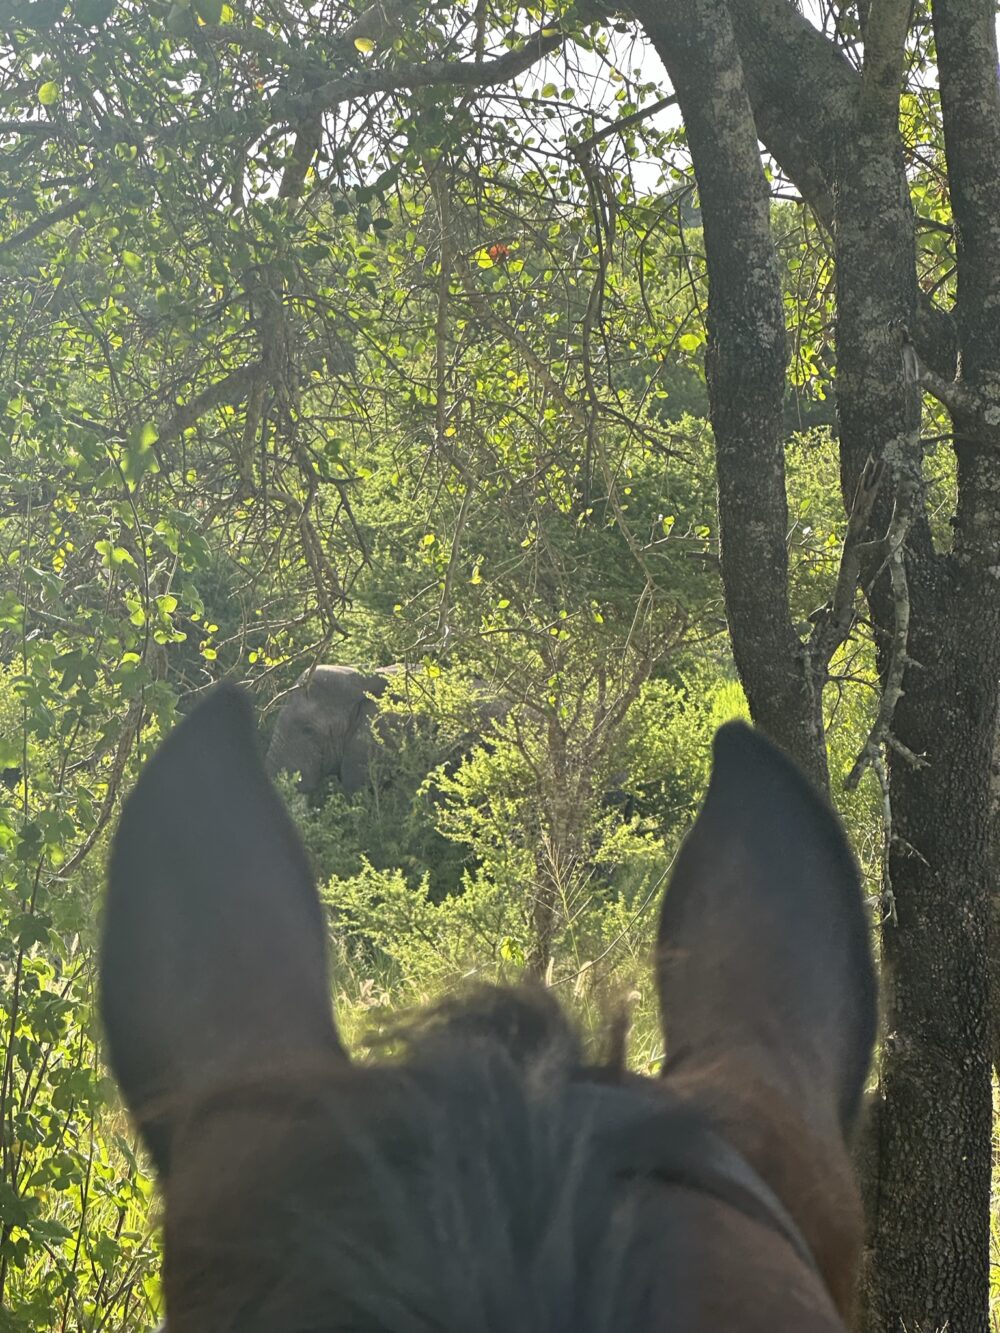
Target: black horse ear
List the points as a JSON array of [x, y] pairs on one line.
[[213, 964], [764, 946]]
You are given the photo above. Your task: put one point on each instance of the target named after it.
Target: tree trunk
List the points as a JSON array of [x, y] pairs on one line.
[[745, 367], [994, 923], [930, 1234], [967, 53], [930, 1228]]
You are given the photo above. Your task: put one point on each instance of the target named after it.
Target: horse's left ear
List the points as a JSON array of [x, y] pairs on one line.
[[213, 964]]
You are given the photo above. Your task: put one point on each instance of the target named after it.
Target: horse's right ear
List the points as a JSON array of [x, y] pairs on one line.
[[765, 962], [213, 963]]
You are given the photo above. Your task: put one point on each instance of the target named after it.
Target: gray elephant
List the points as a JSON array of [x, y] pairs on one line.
[[324, 728], [330, 726]]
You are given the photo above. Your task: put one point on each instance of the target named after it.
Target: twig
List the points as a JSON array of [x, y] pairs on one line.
[[902, 455], [457, 74], [70, 209], [835, 620], [625, 123]]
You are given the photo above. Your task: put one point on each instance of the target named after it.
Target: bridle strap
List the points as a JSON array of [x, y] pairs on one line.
[[725, 1174], [656, 1138]]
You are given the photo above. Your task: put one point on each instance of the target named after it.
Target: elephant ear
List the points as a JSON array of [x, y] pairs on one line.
[[213, 963]]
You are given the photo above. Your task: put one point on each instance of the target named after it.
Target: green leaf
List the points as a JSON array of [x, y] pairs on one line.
[[48, 94], [511, 951], [550, 90], [139, 456], [14, 1210], [114, 556], [30, 928], [690, 342], [364, 45]]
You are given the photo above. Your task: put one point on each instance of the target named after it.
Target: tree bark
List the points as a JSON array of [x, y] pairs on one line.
[[994, 942], [745, 366], [937, 1108], [930, 1228]]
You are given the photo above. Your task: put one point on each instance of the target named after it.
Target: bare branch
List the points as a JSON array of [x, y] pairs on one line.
[[956, 397], [442, 201], [626, 123], [457, 74], [902, 455], [308, 137], [113, 779], [892, 688], [42, 129], [375, 24], [377, 21], [262, 43], [70, 209], [230, 390], [835, 620]]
